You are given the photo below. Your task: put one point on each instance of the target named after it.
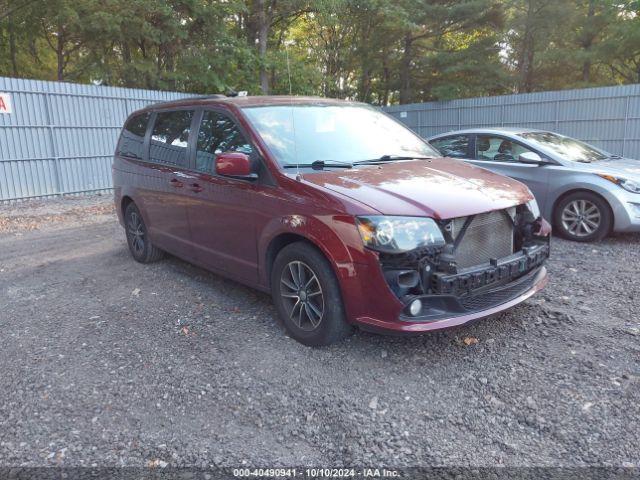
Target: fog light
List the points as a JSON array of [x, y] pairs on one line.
[[415, 307]]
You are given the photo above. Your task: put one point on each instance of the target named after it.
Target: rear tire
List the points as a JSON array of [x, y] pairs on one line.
[[583, 217], [140, 246], [307, 296]]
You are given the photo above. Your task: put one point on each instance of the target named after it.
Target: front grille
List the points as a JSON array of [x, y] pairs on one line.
[[490, 235], [499, 296]]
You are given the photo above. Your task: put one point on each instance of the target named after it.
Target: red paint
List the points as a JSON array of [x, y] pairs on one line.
[[227, 224]]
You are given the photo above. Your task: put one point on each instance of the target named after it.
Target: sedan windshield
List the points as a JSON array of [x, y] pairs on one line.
[[567, 148], [303, 134]]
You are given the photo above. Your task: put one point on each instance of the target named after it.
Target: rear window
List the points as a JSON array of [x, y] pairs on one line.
[[170, 137], [132, 138]]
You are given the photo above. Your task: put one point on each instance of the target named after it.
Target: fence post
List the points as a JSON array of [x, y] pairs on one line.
[[54, 147], [626, 123]]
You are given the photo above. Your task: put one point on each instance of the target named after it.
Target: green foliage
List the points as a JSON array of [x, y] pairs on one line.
[[377, 51]]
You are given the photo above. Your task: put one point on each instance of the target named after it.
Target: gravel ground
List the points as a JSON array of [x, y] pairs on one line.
[[108, 362]]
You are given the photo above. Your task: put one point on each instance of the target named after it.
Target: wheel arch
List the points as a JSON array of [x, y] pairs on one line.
[[584, 190], [331, 236], [125, 201], [279, 242]]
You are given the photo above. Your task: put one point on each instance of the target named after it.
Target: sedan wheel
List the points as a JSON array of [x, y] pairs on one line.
[[581, 218]]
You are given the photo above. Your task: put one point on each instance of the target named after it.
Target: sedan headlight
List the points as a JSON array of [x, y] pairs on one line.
[[533, 207], [628, 185], [399, 234]]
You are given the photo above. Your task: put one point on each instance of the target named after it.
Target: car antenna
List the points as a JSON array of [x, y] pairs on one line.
[[293, 121]]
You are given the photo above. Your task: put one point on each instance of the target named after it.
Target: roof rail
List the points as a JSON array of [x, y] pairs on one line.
[[199, 97]]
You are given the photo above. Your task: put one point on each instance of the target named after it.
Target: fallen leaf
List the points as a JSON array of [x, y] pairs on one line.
[[155, 463], [470, 341]]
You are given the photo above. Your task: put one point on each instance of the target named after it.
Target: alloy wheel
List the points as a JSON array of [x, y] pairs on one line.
[[302, 295], [135, 228], [581, 218]]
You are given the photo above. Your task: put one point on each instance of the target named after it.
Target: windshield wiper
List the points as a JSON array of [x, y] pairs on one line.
[[320, 164], [391, 158]]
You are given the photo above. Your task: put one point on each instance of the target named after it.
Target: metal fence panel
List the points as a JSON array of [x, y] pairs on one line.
[[60, 137], [608, 117]]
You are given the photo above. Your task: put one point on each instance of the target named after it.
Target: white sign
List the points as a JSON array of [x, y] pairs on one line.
[[5, 103], [403, 114]]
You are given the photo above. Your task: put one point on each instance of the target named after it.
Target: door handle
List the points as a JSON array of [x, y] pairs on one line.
[[196, 188], [176, 183]]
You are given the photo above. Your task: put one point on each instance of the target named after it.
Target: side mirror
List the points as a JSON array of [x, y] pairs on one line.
[[235, 165], [531, 158]]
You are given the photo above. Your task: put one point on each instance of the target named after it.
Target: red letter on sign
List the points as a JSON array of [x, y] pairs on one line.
[[3, 107]]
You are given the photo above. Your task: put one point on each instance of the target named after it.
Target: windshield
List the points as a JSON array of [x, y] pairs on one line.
[[567, 148], [302, 134]]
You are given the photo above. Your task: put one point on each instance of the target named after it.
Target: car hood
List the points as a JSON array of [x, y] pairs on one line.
[[623, 167], [439, 188]]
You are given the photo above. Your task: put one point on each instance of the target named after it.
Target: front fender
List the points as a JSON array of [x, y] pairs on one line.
[[336, 236], [612, 194]]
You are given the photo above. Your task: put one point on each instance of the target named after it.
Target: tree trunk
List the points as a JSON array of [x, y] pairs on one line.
[[60, 54], [587, 42], [127, 77], [406, 95], [527, 54], [12, 47], [263, 35]]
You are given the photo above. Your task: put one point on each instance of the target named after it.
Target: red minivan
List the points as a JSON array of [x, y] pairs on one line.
[[347, 217]]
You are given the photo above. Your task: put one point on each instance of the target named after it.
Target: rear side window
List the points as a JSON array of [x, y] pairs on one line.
[[218, 134], [170, 137], [456, 147], [132, 138]]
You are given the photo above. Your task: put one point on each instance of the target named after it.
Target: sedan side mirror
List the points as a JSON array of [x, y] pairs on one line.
[[531, 158], [235, 165]]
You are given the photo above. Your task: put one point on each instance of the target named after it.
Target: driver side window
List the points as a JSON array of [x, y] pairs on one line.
[[218, 134], [498, 149]]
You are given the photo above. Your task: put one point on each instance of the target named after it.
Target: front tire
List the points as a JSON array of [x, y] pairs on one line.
[[583, 217], [140, 246], [307, 296]]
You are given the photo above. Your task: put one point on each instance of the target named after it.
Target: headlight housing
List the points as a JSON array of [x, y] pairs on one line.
[[533, 207], [391, 234], [628, 185]]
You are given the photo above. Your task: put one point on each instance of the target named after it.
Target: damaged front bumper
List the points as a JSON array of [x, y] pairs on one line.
[[480, 288], [436, 293]]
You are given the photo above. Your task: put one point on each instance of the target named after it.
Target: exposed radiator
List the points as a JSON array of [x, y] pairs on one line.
[[490, 235]]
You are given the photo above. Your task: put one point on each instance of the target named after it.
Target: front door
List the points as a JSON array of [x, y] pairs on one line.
[[222, 210], [500, 154]]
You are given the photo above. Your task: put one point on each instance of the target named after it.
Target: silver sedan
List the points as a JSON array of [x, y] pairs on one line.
[[585, 192]]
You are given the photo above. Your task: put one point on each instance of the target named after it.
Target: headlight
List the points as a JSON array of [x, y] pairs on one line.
[[534, 208], [628, 185], [399, 234]]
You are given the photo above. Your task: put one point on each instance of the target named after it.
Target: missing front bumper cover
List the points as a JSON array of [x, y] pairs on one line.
[[496, 272]]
